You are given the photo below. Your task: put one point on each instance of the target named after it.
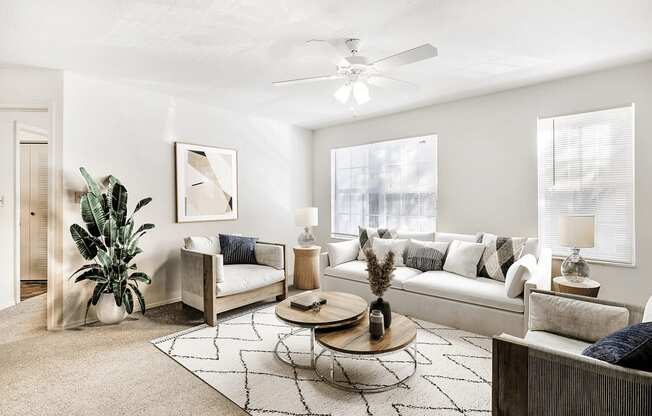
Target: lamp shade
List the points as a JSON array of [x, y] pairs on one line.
[[577, 231], [306, 217]]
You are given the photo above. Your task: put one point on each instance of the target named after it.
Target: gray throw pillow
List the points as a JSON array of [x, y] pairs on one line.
[[237, 249], [499, 254], [426, 255]]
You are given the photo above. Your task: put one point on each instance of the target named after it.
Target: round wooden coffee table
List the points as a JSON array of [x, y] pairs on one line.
[[341, 309], [356, 341]]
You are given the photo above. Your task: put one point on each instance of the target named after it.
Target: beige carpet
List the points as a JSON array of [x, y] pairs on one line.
[[98, 370]]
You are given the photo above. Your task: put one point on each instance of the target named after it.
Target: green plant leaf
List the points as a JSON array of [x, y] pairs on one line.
[[110, 232], [93, 274], [141, 299], [141, 204], [104, 259], [128, 300], [99, 216], [133, 266], [97, 292], [87, 215], [90, 182], [85, 267], [85, 243], [119, 203], [117, 292], [141, 277], [144, 227]]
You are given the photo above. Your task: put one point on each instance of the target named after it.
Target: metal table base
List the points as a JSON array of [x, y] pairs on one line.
[[289, 361]]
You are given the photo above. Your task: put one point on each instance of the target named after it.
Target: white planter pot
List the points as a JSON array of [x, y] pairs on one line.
[[107, 311]]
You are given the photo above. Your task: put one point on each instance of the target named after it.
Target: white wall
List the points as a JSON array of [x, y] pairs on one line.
[[25, 88], [488, 160], [121, 130]]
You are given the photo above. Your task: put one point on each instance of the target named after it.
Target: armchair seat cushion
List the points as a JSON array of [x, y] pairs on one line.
[[240, 278], [357, 270], [556, 342], [478, 291]]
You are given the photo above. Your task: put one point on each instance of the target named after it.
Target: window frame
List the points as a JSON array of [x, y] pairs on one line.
[[342, 236], [540, 191]]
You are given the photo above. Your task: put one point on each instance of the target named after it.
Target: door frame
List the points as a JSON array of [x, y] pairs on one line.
[[18, 128], [55, 295]]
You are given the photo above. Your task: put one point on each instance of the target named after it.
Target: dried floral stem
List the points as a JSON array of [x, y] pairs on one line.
[[380, 275]]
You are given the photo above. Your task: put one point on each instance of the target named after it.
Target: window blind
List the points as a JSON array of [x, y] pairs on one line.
[[586, 167], [391, 184]]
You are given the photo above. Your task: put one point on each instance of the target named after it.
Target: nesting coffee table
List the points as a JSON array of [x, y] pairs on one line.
[[356, 341], [340, 310]]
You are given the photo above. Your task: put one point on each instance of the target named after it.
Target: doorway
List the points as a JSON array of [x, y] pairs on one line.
[[32, 169]]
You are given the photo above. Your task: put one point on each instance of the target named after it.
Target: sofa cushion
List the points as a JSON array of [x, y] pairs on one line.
[[366, 236], [425, 255], [237, 249], [588, 321], [499, 254], [421, 236], [479, 291], [381, 248], [556, 342], [201, 244], [244, 277], [343, 251], [357, 270], [630, 347], [462, 258]]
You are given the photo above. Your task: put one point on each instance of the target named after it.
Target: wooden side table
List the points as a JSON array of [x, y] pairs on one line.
[[586, 287], [306, 267]]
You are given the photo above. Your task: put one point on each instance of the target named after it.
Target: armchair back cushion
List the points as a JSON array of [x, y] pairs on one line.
[[270, 255], [575, 318], [201, 244], [238, 250]]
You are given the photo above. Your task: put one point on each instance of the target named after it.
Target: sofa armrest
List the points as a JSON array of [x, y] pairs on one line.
[[193, 265], [271, 254], [541, 280], [323, 262], [343, 251], [523, 375]]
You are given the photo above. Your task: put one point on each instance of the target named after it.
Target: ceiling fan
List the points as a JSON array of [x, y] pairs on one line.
[[358, 71]]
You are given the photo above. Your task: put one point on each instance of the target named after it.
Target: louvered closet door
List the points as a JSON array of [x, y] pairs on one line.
[[35, 247]]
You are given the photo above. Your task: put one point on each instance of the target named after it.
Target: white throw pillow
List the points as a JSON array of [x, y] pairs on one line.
[[463, 258], [342, 252], [367, 234], [381, 247], [518, 273], [200, 244]]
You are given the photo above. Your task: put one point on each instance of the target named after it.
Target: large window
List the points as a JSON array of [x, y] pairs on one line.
[[586, 166], [390, 184]]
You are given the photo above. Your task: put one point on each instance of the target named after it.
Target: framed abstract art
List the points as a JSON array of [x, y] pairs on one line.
[[207, 183]]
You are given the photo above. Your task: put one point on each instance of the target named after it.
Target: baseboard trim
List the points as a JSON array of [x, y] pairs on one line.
[[76, 324]]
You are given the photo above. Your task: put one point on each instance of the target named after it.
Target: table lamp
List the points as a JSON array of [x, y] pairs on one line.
[[576, 231], [306, 218]]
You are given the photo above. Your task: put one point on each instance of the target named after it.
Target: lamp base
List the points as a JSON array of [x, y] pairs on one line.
[[574, 267], [306, 239]]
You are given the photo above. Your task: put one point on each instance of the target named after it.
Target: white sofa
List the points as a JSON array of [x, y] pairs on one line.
[[479, 305], [208, 285]]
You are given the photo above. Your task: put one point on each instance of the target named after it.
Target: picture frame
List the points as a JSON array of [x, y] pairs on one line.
[[206, 183]]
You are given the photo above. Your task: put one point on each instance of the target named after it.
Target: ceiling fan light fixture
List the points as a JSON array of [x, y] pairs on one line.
[[343, 93], [361, 92]]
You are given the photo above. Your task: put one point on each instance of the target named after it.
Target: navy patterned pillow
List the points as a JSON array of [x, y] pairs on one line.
[[237, 249], [630, 347]]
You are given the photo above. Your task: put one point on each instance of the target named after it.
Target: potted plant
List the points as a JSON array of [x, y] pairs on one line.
[[110, 242], [380, 278]]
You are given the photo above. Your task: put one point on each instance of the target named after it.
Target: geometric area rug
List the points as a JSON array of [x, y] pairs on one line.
[[236, 358]]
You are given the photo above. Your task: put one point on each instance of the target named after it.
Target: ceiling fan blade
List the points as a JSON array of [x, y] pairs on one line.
[[304, 80], [379, 80], [406, 57]]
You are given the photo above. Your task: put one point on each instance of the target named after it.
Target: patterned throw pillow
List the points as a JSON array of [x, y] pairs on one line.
[[238, 250], [499, 254], [368, 234], [426, 255], [630, 347]]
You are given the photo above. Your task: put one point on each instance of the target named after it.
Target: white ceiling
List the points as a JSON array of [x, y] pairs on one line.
[[227, 52]]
